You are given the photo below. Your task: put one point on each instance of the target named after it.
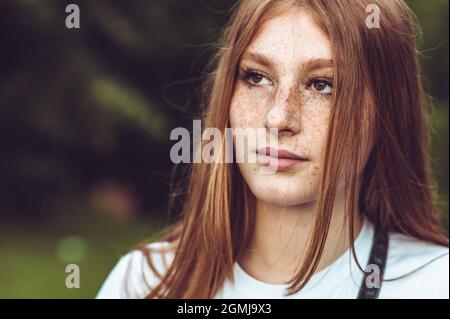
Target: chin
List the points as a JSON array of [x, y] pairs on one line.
[[279, 189]]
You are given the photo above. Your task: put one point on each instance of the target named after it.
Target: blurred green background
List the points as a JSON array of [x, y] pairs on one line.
[[85, 117]]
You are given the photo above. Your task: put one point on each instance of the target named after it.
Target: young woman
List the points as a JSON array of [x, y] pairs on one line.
[[349, 210]]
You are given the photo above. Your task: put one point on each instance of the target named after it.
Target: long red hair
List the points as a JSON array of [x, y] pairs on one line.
[[395, 188]]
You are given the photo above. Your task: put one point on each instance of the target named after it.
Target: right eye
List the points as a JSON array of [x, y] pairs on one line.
[[256, 79]]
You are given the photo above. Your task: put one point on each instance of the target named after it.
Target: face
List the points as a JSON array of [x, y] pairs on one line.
[[285, 85]]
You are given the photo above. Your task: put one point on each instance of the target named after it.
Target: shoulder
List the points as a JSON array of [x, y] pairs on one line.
[[416, 269], [132, 276]]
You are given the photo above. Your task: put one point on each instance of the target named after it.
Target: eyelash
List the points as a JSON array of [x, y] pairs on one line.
[[248, 74]]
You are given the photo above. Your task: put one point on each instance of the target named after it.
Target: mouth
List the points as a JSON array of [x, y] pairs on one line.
[[280, 160]]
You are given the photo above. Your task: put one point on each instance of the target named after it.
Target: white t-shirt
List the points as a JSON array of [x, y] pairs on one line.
[[428, 263]]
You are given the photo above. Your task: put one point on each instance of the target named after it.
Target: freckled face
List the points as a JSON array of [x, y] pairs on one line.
[[285, 83]]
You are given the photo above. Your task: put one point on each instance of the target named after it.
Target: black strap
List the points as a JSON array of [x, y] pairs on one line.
[[378, 256]]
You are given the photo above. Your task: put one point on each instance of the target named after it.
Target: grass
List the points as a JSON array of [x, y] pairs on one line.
[[34, 256]]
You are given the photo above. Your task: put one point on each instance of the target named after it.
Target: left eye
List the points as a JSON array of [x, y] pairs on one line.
[[322, 86]]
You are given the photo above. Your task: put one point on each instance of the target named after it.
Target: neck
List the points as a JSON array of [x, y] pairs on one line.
[[280, 237]]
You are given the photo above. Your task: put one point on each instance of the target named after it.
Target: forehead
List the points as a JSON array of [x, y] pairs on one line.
[[291, 37]]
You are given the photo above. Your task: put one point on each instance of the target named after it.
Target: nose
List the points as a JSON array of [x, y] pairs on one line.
[[284, 113]]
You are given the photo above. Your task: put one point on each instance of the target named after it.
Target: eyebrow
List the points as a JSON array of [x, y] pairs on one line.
[[308, 65]]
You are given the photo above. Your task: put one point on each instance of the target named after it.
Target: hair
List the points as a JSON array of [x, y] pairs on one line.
[[396, 192]]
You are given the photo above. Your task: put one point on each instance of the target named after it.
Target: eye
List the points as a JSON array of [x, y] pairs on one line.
[[323, 86], [256, 79]]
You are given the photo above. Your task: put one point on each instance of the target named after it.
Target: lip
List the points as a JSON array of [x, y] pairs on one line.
[[280, 160]]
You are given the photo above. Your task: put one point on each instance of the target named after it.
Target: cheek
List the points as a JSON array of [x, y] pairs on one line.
[[315, 116], [247, 108], [316, 134]]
